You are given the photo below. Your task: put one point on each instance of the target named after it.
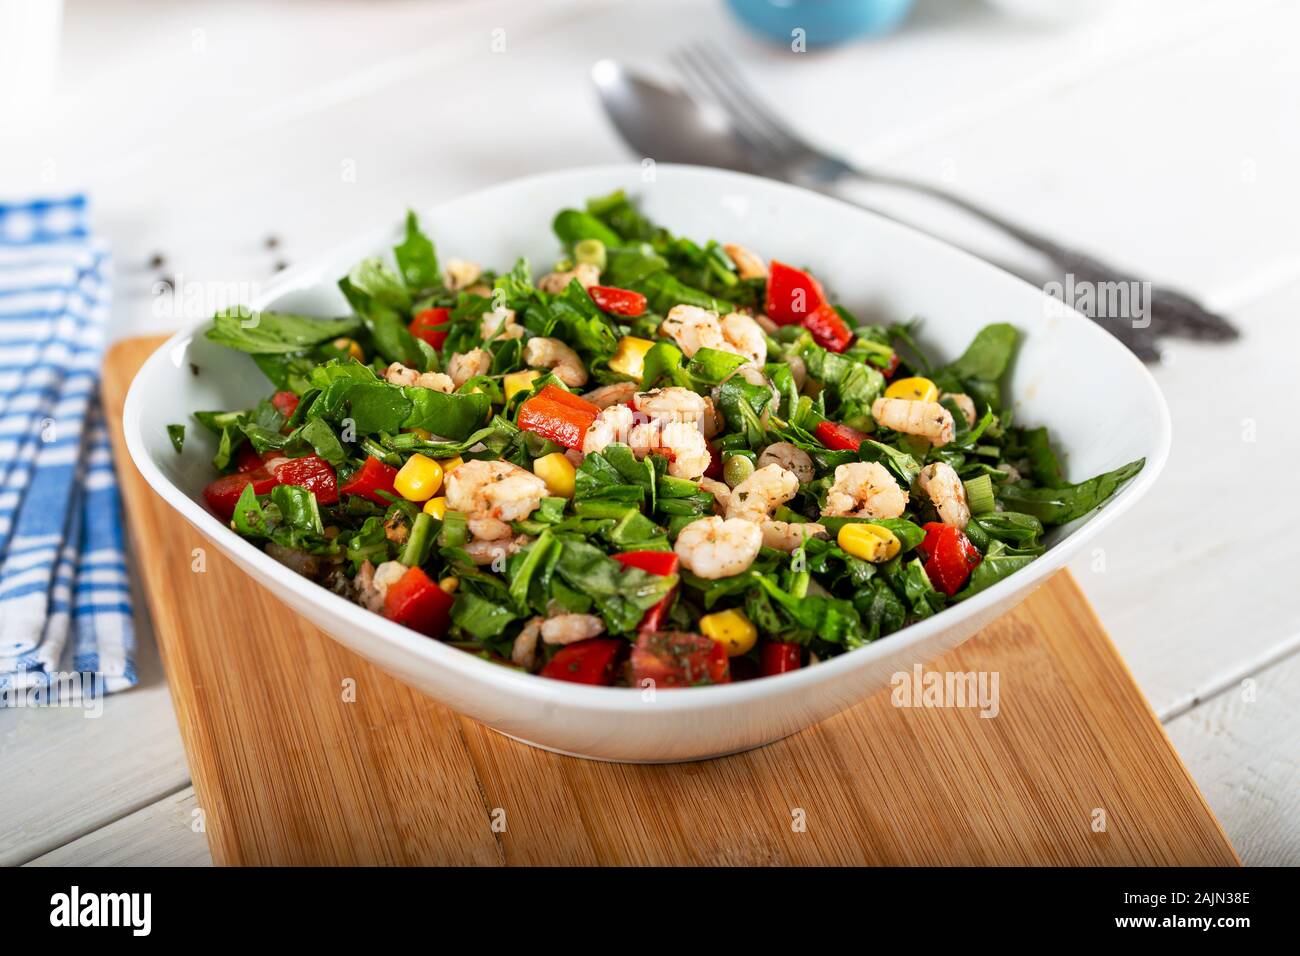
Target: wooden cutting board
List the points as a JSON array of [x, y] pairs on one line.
[[1074, 769]]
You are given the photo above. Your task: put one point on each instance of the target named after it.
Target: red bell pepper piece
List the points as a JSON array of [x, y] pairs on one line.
[[370, 479], [678, 659], [286, 403], [553, 393], [557, 415], [889, 370], [223, 494], [654, 618], [839, 437], [311, 472], [416, 601], [430, 325], [617, 301], [714, 470], [654, 562], [828, 329], [586, 662], [776, 657], [949, 557], [792, 294], [247, 459]]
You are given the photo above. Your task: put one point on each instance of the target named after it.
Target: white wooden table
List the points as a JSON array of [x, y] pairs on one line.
[[1163, 134]]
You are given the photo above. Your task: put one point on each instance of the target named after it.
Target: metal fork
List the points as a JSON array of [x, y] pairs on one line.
[[780, 153]]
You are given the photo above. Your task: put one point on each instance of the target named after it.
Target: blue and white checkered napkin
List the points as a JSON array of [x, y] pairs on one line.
[[65, 607]]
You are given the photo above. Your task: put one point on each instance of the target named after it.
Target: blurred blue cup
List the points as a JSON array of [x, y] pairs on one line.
[[823, 21]]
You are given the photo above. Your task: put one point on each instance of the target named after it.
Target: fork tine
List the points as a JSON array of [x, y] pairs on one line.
[[732, 80], [758, 138], [700, 86]]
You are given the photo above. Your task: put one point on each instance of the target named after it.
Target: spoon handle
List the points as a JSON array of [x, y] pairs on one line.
[[1169, 312]]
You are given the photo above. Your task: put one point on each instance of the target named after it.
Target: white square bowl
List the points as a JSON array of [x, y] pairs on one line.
[[1101, 404]]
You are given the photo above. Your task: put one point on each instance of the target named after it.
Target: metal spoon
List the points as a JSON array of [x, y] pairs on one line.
[[665, 123]]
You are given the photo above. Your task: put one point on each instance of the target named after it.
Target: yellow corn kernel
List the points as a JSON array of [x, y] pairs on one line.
[[449, 584], [419, 479], [629, 358], [448, 464], [731, 629], [913, 390], [422, 433], [558, 473], [352, 347], [517, 382], [870, 542], [436, 508]]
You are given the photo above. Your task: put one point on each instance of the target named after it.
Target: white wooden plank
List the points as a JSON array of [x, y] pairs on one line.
[[161, 834], [67, 774], [1177, 166], [1197, 581], [1243, 749]]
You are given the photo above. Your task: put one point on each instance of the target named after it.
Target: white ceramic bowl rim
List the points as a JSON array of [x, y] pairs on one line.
[[603, 700]]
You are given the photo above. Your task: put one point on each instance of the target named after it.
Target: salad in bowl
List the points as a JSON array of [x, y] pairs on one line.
[[659, 462]]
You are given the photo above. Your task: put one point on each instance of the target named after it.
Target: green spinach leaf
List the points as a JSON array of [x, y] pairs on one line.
[[416, 259], [1057, 506], [266, 333]]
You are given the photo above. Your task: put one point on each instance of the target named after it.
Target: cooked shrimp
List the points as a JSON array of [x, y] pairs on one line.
[[681, 442], [672, 404], [524, 650], [372, 583], [743, 336], [558, 357], [927, 419], [864, 489], [396, 529], [946, 492], [718, 548], [755, 498], [587, 274], [620, 393], [498, 549], [499, 323], [399, 374], [461, 274], [613, 424], [790, 535], [494, 489], [568, 628], [798, 370], [693, 328], [721, 494], [466, 365], [748, 265], [487, 529], [677, 404], [963, 402], [791, 458]]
